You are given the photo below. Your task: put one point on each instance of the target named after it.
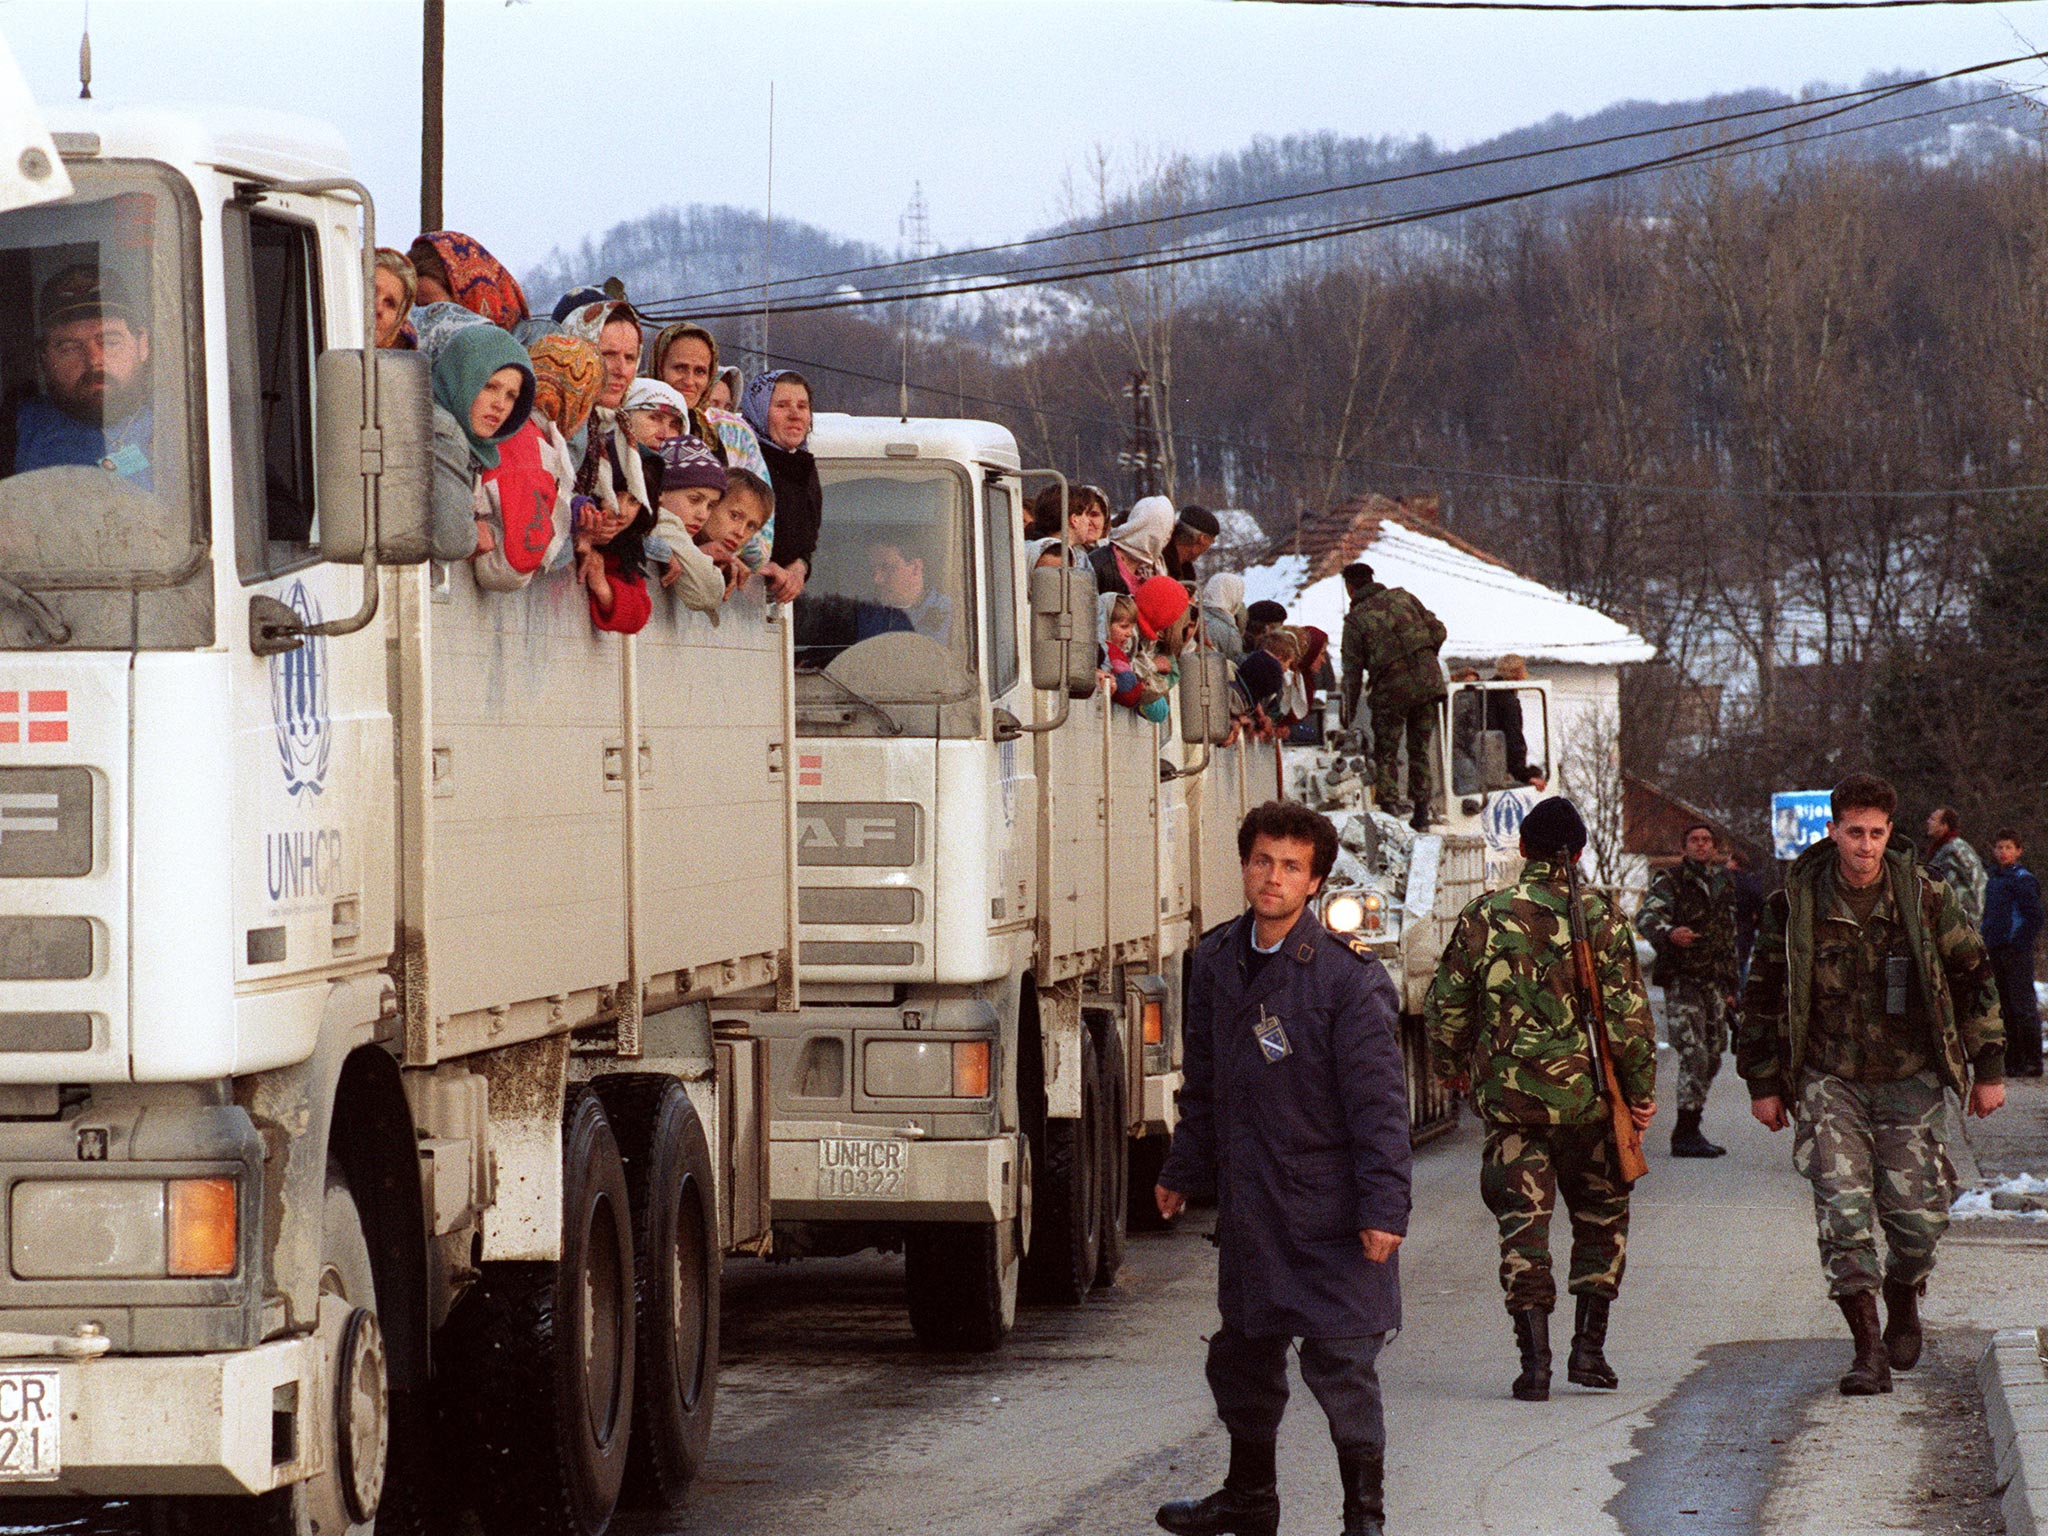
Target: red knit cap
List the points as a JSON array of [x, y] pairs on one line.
[[1161, 600]]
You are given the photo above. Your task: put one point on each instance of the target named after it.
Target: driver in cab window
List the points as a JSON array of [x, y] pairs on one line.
[[900, 583], [94, 355]]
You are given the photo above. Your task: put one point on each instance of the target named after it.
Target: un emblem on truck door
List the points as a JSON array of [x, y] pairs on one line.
[[298, 702]]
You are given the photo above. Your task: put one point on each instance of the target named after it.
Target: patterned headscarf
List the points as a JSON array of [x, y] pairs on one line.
[[437, 324], [477, 280], [760, 390], [589, 320], [568, 375]]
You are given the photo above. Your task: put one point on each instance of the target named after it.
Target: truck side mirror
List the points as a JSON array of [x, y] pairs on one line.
[[1063, 621], [398, 450], [1205, 697]]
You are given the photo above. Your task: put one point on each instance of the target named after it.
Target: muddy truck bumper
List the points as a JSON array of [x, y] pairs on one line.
[[846, 1173], [161, 1424]]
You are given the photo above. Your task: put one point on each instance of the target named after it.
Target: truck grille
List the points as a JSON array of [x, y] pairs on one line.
[[45, 823]]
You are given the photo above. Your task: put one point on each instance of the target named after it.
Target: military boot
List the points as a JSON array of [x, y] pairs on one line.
[[1248, 1503], [1588, 1365], [1902, 1338], [1365, 1502], [1686, 1140], [1532, 1334], [1872, 1372]]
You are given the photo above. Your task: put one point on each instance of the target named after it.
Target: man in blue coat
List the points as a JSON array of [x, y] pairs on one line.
[[1294, 1114], [2012, 927]]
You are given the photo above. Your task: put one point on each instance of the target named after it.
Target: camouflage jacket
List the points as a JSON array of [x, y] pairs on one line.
[[1700, 897], [1814, 973], [1505, 1012], [1396, 639], [1956, 865]]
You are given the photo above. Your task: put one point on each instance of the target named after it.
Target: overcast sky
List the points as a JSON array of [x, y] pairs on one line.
[[566, 116]]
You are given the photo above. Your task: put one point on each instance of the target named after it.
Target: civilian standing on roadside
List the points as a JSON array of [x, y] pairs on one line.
[[1294, 1114], [2012, 927]]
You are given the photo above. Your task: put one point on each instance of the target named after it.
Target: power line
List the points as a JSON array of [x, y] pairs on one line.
[[1600, 6], [1866, 96], [1076, 269], [1875, 92]]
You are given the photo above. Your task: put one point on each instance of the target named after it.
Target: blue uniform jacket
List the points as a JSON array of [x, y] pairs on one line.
[[1304, 1148], [2012, 907]]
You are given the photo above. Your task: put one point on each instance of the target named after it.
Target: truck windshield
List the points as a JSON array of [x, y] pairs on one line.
[[102, 467], [888, 609]]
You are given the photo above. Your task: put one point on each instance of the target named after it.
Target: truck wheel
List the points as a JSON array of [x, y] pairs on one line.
[[542, 1355], [675, 1250], [1116, 1164], [350, 1495], [960, 1278], [1066, 1242]]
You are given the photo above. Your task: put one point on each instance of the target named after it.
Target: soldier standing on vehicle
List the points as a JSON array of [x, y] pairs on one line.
[[1390, 646], [1689, 918], [1869, 995], [1955, 863], [1294, 1114], [1506, 1022]]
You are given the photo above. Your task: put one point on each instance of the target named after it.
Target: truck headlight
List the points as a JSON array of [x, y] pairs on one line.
[[77, 1229], [926, 1069], [1344, 913]]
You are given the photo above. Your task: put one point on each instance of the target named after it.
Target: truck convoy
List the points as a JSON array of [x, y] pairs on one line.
[[409, 996]]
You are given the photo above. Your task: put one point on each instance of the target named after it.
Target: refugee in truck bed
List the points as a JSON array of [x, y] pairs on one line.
[[685, 357], [483, 388], [747, 506], [692, 484], [566, 378], [611, 549], [396, 281], [778, 406], [1133, 673]]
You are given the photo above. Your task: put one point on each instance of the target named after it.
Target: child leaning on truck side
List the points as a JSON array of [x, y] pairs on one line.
[[747, 506], [1134, 678], [692, 483], [483, 394], [611, 550]]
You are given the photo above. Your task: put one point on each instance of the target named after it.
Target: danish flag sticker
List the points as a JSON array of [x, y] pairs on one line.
[[810, 770], [35, 716]]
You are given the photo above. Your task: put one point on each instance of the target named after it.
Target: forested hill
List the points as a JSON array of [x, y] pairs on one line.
[[704, 249]]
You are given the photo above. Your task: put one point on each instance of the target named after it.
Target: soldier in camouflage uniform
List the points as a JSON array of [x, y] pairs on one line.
[[1955, 863], [1390, 645], [1689, 918], [1870, 997], [1506, 1022]]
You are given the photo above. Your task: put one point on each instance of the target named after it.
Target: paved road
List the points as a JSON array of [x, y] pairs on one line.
[[1727, 1421]]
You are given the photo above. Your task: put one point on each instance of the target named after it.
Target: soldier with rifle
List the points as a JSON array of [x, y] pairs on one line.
[[1538, 1011]]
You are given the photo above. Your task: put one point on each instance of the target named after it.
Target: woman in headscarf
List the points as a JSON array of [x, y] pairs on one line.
[[724, 394], [1135, 550], [395, 286], [1223, 614], [483, 393], [455, 269], [566, 377], [685, 357], [777, 406]]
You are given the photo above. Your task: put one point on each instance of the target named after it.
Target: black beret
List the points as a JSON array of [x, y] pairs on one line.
[[1201, 519], [1266, 611], [1552, 827]]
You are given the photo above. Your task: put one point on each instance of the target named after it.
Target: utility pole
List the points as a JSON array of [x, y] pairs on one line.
[[1142, 457], [915, 229], [433, 49]]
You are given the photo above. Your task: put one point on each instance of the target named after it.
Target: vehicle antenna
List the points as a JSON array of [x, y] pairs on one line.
[[85, 55], [768, 228]]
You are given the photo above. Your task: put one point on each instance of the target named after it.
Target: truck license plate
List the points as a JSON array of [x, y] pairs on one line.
[[852, 1168], [29, 1425]]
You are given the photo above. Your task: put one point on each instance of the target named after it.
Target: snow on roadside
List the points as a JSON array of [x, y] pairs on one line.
[[2021, 1197]]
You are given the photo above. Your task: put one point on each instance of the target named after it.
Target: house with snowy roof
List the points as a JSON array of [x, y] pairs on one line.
[[1489, 611]]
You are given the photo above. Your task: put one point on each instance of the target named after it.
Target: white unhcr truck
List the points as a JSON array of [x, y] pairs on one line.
[[358, 928], [1001, 874]]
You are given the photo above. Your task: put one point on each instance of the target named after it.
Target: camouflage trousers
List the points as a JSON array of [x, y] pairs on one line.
[[1391, 720], [1522, 1171], [1696, 1023], [1874, 1154]]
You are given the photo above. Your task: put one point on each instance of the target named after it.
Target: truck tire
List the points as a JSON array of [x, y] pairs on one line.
[[1066, 1240], [1115, 1160], [542, 1355], [670, 1183], [961, 1284], [350, 1496]]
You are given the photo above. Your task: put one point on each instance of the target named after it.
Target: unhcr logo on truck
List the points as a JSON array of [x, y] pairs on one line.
[[298, 702]]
